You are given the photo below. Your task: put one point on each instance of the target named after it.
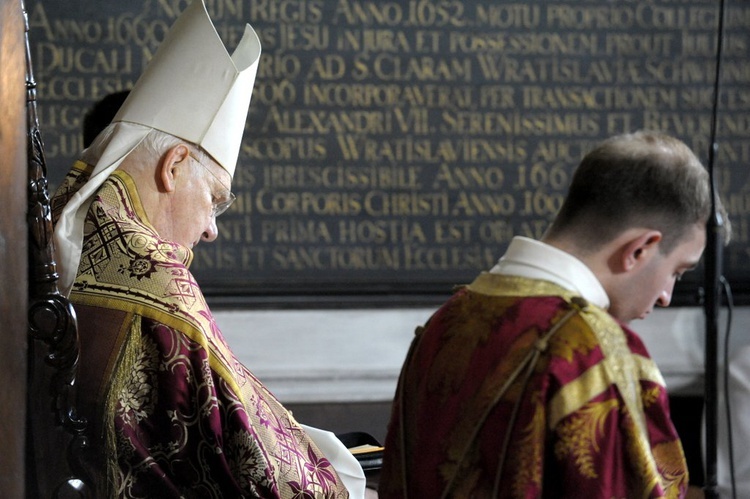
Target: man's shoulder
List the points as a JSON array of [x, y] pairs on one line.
[[517, 287]]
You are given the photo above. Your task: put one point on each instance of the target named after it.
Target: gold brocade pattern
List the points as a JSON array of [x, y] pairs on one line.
[[617, 367], [474, 409], [620, 365], [503, 285], [477, 314], [546, 396], [645, 467], [181, 306], [650, 396], [576, 394], [579, 435], [125, 266], [138, 380], [567, 347], [673, 477], [529, 456]]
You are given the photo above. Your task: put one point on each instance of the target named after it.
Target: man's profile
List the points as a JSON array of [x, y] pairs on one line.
[[529, 382], [172, 411]]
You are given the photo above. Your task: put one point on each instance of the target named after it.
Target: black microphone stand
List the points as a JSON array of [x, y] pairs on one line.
[[712, 302]]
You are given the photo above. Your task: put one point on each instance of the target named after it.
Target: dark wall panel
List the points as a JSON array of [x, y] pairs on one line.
[[394, 148]]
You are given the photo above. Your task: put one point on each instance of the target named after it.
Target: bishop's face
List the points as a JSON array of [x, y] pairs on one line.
[[202, 192]]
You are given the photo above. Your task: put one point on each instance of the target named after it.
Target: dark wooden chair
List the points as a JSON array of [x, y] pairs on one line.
[[55, 436]]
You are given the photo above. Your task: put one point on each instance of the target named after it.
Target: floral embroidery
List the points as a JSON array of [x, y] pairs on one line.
[[673, 476], [580, 340], [264, 416], [299, 492], [529, 456], [185, 407], [246, 459], [579, 434], [140, 268], [648, 475], [137, 397], [651, 395], [320, 469]]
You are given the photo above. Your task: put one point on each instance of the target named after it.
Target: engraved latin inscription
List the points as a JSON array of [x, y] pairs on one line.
[[410, 141]]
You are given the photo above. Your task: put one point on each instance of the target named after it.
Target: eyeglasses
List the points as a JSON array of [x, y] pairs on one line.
[[218, 208]]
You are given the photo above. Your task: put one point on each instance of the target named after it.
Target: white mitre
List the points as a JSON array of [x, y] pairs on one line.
[[192, 89]]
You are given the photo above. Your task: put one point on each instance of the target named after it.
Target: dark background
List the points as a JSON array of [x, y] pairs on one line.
[[394, 148]]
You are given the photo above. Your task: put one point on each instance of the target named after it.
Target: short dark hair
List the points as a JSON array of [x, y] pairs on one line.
[[101, 114], [642, 179]]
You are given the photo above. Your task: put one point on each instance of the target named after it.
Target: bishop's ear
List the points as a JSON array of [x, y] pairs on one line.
[[640, 248], [175, 158]]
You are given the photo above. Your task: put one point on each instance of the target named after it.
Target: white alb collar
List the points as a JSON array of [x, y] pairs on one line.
[[527, 257]]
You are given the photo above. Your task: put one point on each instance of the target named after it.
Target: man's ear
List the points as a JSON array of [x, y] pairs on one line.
[[175, 157], [639, 248]]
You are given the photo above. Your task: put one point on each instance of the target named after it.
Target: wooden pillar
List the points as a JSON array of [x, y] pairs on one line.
[[13, 249]]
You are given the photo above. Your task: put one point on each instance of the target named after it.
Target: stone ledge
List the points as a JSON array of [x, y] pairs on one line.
[[311, 356]]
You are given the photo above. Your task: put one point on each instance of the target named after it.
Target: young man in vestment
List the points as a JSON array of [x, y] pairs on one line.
[[528, 382], [171, 411]]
